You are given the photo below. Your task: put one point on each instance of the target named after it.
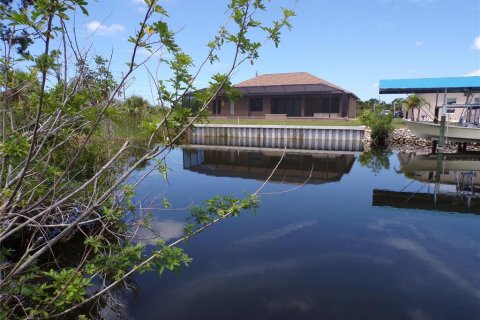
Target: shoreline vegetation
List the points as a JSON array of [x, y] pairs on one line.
[[69, 216]]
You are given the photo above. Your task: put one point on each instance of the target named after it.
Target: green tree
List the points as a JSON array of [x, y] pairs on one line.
[[18, 39], [373, 105], [413, 102], [135, 105], [98, 80]]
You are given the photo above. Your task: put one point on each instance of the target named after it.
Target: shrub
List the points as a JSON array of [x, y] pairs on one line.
[[380, 124]]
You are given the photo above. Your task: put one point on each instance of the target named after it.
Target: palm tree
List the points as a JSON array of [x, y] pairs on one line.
[[136, 105], [413, 102]]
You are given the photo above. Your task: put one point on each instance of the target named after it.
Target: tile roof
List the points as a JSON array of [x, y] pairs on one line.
[[286, 79]]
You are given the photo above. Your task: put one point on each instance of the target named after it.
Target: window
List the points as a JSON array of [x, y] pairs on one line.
[[477, 100], [451, 100], [256, 104]]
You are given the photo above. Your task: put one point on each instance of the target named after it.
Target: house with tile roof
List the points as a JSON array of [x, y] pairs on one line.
[[287, 95]]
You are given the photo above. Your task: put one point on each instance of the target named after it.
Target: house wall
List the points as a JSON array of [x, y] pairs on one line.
[[240, 108], [428, 113], [352, 107]]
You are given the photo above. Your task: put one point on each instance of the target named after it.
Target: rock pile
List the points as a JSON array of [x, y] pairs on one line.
[[367, 138], [403, 139]]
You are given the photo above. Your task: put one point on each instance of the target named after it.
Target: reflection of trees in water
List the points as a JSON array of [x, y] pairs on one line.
[[134, 129], [376, 159]]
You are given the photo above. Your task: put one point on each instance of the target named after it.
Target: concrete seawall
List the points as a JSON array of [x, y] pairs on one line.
[[346, 138]]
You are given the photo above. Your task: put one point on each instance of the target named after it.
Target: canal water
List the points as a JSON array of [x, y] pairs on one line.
[[338, 235]]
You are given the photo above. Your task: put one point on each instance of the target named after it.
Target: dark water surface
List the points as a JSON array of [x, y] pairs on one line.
[[321, 250]]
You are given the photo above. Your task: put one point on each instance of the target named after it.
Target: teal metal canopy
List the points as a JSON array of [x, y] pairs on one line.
[[430, 85]]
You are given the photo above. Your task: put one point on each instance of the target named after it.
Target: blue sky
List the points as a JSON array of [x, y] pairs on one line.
[[351, 43]]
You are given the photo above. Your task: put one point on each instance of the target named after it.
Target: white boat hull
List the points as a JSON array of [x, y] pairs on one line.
[[430, 130]]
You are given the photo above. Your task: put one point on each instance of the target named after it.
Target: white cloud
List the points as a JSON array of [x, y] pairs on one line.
[[437, 265], [104, 30], [473, 73], [476, 43], [160, 230], [376, 85], [142, 5], [277, 233], [419, 43]]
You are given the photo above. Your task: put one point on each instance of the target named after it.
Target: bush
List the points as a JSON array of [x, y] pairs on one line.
[[380, 124]]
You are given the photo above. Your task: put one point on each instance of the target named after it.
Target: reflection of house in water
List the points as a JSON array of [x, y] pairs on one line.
[[295, 167], [452, 182]]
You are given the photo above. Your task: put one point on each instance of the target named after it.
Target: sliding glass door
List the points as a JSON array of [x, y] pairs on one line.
[[292, 107]]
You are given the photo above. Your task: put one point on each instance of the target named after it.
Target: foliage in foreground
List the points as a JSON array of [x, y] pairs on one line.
[[68, 217]]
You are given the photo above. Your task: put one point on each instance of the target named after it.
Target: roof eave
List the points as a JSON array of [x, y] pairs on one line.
[[291, 89]]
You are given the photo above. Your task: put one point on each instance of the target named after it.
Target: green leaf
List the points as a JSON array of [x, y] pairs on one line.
[[84, 10]]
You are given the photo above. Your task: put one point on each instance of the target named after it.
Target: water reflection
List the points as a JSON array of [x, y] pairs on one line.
[[320, 252], [295, 168], [156, 230], [451, 182], [376, 159], [277, 233]]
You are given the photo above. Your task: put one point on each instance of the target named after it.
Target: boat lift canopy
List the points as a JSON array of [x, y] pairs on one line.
[[430, 85]]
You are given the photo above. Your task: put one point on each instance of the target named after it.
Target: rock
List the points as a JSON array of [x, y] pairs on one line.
[[403, 139]]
